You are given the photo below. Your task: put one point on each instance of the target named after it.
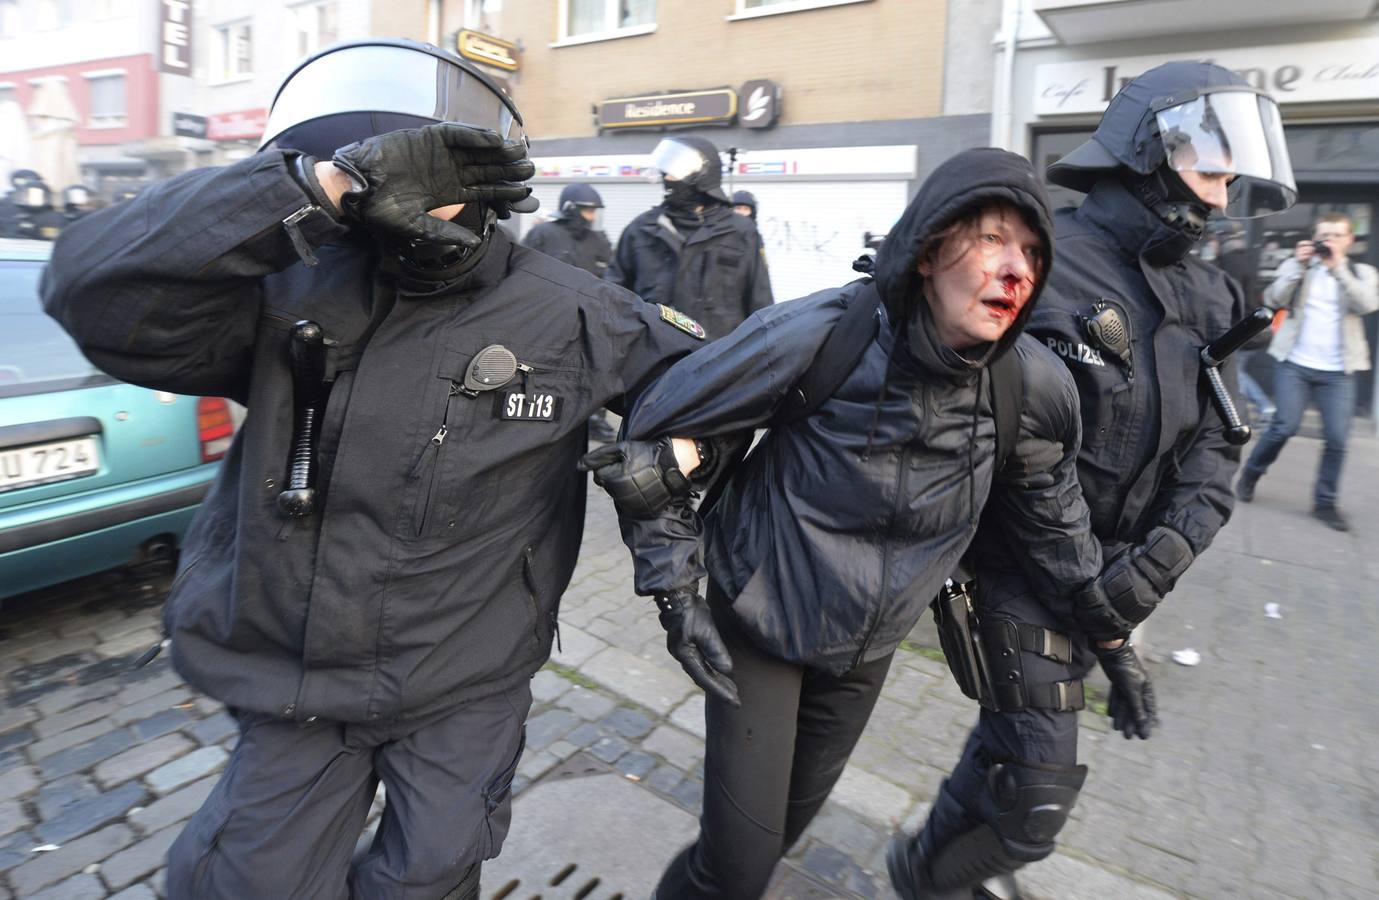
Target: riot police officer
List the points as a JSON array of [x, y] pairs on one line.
[[571, 237], [692, 252], [77, 201], [381, 618], [31, 213], [745, 204], [1128, 310]]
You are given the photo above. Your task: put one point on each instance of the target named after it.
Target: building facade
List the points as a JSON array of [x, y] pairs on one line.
[[1320, 61], [829, 111]]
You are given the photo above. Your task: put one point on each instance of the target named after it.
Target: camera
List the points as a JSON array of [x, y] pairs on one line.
[[1322, 250]]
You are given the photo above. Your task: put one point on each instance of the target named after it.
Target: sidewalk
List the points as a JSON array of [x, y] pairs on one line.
[[1262, 783]]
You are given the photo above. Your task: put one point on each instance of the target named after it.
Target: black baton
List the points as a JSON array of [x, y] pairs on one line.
[[1214, 354], [307, 358]]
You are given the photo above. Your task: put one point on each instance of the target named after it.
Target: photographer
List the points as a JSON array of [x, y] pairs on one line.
[[1320, 345]]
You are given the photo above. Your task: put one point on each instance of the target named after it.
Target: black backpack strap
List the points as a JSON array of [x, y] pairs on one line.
[[837, 357], [1007, 398]]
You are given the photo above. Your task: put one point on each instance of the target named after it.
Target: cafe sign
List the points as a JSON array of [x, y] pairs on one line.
[[716, 107], [489, 50], [1314, 72]]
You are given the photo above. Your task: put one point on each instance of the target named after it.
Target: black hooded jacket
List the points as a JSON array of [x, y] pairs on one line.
[[574, 241], [839, 528], [714, 271]]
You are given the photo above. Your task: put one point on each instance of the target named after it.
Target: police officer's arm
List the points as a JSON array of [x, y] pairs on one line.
[[535, 239], [759, 294], [622, 269], [163, 290], [1036, 498]]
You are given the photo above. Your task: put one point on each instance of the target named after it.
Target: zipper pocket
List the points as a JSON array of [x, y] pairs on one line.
[[532, 591], [430, 459]]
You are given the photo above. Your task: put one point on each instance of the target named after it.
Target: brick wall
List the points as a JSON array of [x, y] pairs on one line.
[[867, 61]]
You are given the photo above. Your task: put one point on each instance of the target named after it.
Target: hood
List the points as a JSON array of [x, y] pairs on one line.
[[972, 178]]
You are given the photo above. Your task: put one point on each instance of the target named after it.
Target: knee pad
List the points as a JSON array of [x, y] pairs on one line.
[[1028, 803]]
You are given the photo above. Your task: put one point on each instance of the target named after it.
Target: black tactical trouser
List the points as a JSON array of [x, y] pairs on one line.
[[285, 817], [768, 765], [1040, 736]]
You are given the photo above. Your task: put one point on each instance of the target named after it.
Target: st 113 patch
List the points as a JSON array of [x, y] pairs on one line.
[[519, 406]]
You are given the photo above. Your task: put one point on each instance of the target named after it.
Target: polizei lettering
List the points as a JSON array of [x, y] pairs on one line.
[[1079, 353]]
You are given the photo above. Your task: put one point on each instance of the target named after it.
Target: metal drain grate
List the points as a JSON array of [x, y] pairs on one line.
[[568, 882]]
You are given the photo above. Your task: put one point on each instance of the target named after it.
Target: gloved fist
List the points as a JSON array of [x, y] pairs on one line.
[[1097, 617], [692, 638], [642, 477], [1131, 705], [408, 172], [1136, 581]]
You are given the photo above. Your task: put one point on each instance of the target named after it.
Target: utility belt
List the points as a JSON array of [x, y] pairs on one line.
[[984, 655]]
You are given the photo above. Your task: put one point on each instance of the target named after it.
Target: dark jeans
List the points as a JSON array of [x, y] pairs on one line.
[[768, 766], [1334, 393]]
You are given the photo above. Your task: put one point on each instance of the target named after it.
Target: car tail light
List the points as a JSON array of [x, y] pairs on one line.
[[214, 427]]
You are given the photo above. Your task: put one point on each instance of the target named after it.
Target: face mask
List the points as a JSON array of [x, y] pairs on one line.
[[680, 195]]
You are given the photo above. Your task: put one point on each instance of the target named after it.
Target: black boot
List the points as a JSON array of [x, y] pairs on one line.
[[949, 858], [1001, 887]]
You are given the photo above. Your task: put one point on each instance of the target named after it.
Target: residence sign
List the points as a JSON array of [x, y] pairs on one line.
[[489, 50], [1315, 72], [718, 106]]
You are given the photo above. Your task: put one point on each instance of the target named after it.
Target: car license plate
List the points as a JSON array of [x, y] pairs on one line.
[[44, 463]]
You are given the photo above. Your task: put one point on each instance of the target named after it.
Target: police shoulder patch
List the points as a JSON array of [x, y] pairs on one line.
[[682, 322]]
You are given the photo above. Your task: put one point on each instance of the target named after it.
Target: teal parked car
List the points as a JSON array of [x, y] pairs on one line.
[[95, 474]]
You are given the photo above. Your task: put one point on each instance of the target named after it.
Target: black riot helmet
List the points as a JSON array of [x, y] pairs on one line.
[[360, 89], [747, 199], [77, 198], [24, 177], [692, 162], [578, 196], [33, 197], [1188, 116]]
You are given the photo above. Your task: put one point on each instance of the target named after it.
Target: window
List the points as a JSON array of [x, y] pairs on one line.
[[582, 20], [482, 15], [9, 18], [751, 9], [107, 101], [234, 52], [318, 25], [7, 93]]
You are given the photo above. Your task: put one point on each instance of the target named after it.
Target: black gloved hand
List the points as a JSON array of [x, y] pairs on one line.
[[1136, 581], [1096, 616], [642, 477], [1131, 705], [408, 172], [692, 638]]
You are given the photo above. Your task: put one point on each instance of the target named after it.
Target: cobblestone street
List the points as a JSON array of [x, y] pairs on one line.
[[1263, 782]]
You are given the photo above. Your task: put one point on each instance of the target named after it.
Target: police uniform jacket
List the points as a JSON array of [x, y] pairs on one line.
[[573, 242], [836, 532], [450, 523], [715, 274], [1153, 447]]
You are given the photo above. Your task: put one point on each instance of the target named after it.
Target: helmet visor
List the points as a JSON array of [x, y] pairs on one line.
[[675, 161], [1238, 133], [378, 78]]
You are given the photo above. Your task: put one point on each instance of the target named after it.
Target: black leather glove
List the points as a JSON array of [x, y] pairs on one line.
[[692, 638], [408, 172], [1136, 581], [642, 477], [1097, 617], [1131, 705]]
